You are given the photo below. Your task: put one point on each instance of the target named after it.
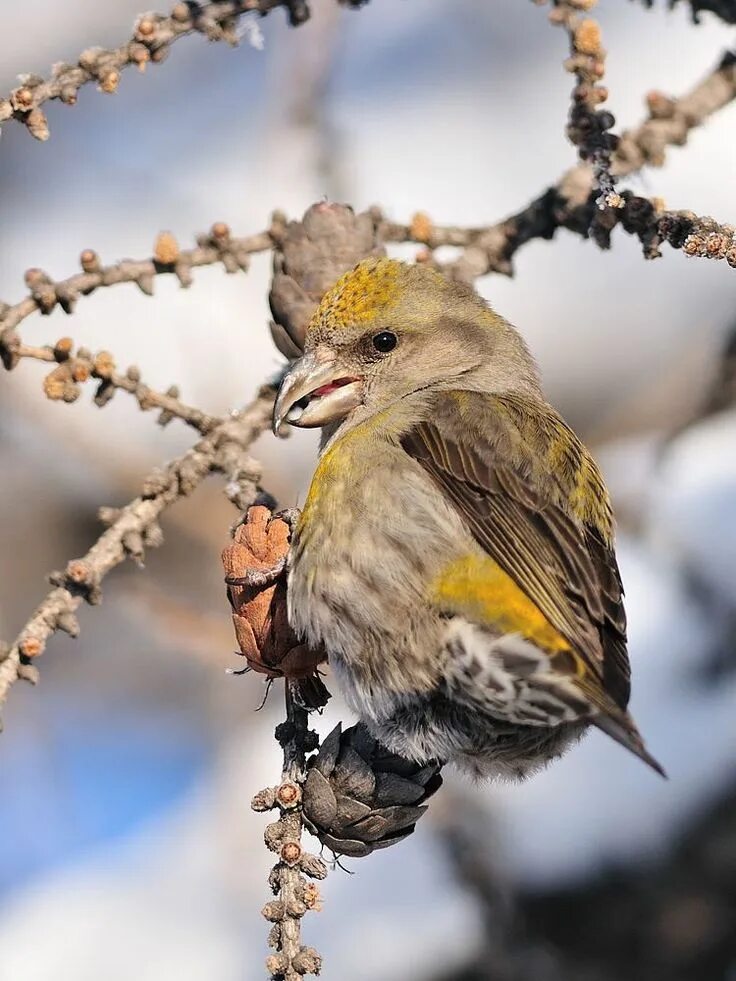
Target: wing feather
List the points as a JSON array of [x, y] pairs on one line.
[[526, 521]]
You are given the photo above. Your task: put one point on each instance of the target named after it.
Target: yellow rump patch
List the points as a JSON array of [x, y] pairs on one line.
[[477, 587]]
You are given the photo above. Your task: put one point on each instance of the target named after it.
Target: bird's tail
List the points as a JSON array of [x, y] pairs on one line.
[[622, 728]]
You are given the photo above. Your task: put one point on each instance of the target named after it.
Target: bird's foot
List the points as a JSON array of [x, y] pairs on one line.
[[258, 578], [289, 516]]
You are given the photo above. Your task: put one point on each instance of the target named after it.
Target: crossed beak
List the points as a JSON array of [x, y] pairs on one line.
[[315, 391]]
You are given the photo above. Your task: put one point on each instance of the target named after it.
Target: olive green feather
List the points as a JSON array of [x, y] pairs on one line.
[[524, 516]]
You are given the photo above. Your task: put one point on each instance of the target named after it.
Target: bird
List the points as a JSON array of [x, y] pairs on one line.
[[455, 552]]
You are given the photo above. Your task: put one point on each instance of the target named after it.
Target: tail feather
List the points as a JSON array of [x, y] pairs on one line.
[[624, 731]]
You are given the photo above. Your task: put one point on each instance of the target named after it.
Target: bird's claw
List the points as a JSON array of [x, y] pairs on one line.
[[289, 516], [258, 578]]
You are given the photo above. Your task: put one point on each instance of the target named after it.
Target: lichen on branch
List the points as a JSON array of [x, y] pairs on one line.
[[589, 126]]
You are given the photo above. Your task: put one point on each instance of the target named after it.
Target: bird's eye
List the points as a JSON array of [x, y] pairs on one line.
[[385, 341]]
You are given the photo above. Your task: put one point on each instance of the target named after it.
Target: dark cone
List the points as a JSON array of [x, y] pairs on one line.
[[358, 796]]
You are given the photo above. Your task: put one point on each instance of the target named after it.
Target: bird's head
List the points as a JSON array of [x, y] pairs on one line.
[[388, 329]]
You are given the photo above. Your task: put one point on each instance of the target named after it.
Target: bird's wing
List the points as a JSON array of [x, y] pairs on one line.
[[534, 500]]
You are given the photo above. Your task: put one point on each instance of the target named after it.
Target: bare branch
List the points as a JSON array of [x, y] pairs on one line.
[[490, 249], [152, 40], [217, 246], [294, 894], [571, 203], [135, 527], [588, 128], [63, 382], [671, 120]]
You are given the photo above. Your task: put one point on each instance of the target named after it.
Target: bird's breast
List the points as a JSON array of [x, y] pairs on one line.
[[373, 534]]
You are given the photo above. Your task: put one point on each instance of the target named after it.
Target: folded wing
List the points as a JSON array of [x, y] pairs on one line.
[[535, 502]]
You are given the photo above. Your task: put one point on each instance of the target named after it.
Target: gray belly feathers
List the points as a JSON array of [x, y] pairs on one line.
[[412, 675]]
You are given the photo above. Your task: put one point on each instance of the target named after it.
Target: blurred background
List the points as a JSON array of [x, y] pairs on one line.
[[127, 846]]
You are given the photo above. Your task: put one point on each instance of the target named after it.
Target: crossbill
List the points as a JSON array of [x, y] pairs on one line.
[[455, 554]]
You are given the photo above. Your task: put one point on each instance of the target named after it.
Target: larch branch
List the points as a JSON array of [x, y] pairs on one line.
[[671, 120], [294, 894], [152, 39], [217, 246], [135, 527], [571, 202], [72, 369]]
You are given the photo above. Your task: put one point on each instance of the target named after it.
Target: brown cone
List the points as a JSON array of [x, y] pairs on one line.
[[259, 612], [359, 797], [314, 253]]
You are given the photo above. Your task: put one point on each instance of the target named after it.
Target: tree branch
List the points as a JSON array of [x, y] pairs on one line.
[[588, 128], [671, 121], [135, 527], [63, 383], [152, 39], [217, 245], [571, 202], [295, 895]]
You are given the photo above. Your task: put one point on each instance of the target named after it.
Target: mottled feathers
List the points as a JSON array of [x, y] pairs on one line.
[[547, 526]]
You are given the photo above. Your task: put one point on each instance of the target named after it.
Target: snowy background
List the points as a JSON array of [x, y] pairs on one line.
[[128, 850]]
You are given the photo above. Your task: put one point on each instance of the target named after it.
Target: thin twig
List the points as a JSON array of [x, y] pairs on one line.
[[152, 39], [295, 895], [72, 369], [671, 120], [490, 250], [570, 203], [135, 527], [588, 127], [217, 246]]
